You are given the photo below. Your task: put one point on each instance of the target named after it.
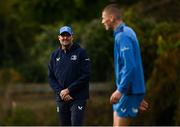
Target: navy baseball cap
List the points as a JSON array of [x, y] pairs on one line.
[[65, 29]]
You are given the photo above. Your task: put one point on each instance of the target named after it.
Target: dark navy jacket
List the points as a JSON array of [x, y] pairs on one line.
[[70, 70]]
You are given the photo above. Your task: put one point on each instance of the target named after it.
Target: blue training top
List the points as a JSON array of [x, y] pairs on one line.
[[127, 60]]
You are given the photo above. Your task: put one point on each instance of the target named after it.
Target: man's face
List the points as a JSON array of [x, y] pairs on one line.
[[107, 21], [65, 39]]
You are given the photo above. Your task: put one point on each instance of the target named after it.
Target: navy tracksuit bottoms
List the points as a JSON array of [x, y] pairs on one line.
[[71, 113]]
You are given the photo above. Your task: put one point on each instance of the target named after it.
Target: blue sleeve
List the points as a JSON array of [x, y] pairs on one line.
[[52, 79], [128, 63], [84, 73]]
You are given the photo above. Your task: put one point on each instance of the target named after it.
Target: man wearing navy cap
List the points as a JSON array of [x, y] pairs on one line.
[[69, 73]]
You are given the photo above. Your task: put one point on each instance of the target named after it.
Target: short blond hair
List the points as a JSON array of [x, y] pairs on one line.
[[113, 9]]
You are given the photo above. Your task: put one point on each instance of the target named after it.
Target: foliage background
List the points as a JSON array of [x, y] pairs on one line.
[[29, 32]]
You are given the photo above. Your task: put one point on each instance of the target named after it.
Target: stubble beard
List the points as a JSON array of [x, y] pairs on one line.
[[66, 44]]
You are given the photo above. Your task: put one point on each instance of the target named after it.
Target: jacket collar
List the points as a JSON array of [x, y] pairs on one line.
[[73, 47], [119, 28]]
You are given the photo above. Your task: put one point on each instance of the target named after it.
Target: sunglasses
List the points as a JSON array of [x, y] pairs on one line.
[[65, 34]]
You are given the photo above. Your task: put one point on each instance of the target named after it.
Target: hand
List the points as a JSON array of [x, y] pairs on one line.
[[144, 106], [67, 98], [64, 93], [115, 97]]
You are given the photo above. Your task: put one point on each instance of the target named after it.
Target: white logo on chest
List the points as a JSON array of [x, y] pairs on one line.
[[73, 57], [80, 107], [57, 59]]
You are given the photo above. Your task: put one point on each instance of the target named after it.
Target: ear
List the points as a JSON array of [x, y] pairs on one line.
[[58, 37], [112, 18]]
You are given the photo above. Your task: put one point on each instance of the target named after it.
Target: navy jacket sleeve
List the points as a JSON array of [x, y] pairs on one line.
[[52, 79], [84, 73]]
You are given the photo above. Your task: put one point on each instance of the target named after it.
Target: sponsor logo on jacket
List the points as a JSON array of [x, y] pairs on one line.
[[73, 57]]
